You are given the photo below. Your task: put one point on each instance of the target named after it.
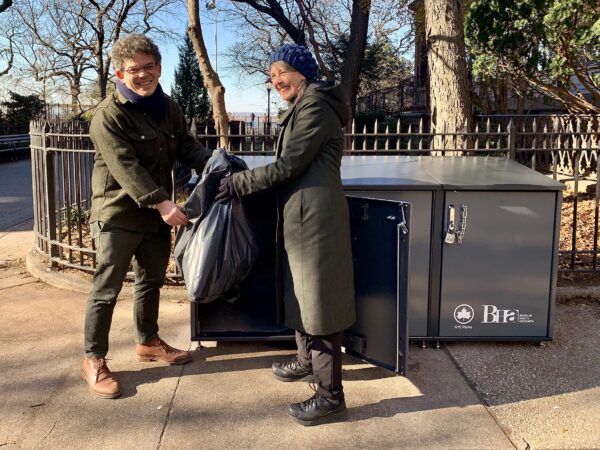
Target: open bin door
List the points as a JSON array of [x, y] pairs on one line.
[[380, 245]]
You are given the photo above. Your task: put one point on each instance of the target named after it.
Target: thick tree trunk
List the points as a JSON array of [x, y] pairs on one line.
[[448, 84], [75, 90], [211, 78], [501, 97], [356, 51]]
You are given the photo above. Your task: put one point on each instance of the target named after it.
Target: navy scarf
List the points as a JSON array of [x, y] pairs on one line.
[[155, 105]]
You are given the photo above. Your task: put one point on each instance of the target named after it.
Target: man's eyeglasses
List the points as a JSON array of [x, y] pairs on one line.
[[151, 67]]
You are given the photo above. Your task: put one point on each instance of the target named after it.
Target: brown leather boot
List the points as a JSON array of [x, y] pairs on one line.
[[100, 381], [159, 350]]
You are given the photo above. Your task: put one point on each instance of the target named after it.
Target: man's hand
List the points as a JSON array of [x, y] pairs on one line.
[[171, 213]]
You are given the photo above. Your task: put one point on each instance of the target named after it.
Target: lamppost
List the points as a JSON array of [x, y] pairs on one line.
[[269, 86], [212, 4]]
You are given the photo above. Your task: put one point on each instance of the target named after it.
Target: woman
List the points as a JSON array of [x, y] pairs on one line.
[[313, 235]]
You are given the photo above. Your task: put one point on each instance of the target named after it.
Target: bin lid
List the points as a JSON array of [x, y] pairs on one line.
[[382, 172], [393, 172], [373, 172], [486, 173]]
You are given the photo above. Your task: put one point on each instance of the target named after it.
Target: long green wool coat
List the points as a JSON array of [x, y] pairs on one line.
[[315, 255]]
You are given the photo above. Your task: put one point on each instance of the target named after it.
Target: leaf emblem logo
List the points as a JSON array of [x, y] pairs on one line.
[[463, 314]]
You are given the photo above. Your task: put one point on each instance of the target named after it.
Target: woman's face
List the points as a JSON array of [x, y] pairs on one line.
[[286, 82]]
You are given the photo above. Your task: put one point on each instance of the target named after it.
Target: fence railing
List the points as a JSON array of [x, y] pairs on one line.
[[14, 146], [562, 147]]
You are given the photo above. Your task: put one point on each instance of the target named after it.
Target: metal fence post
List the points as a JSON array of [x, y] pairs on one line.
[[511, 140], [50, 199]]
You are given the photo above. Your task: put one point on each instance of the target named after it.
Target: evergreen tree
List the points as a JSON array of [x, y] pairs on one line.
[[188, 88], [22, 108], [553, 46]]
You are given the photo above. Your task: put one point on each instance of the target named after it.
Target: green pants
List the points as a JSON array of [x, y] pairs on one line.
[[115, 248]]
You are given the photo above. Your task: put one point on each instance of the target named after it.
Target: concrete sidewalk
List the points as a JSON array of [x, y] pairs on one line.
[[465, 396]]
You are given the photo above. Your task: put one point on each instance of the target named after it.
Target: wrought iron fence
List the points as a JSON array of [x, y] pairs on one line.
[[14, 142], [562, 147]]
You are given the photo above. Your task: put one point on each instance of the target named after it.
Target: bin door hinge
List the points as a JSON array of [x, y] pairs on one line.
[[402, 224]]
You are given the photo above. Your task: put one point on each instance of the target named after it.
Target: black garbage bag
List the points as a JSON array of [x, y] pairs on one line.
[[216, 250]]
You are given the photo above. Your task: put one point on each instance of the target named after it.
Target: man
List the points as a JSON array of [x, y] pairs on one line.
[[138, 133]]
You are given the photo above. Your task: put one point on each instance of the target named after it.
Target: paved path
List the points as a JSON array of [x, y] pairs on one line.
[[225, 399], [15, 196], [468, 396]]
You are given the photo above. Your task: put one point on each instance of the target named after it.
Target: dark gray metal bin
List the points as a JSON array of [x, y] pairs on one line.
[[380, 243], [499, 283], [399, 178]]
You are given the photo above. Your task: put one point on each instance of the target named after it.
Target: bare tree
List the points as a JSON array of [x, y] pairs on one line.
[[281, 14], [449, 88], [111, 19], [106, 30], [70, 40], [7, 50], [54, 43], [212, 81], [310, 22]]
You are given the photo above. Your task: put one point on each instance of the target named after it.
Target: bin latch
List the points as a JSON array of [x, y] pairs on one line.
[[462, 224], [456, 233], [450, 232]]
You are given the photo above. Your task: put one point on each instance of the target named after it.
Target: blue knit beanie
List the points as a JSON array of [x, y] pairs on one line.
[[299, 58]]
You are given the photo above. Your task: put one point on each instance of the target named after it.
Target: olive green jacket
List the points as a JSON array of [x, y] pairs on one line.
[[315, 256], [133, 162]]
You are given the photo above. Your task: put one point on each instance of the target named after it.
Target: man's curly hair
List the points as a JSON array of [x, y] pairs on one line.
[[131, 45]]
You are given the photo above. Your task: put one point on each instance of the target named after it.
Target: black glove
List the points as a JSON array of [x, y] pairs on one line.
[[226, 190]]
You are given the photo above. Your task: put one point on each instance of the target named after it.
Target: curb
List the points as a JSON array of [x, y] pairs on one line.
[[80, 281], [566, 293]]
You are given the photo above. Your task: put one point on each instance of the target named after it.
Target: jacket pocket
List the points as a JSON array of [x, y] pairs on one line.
[[145, 143]]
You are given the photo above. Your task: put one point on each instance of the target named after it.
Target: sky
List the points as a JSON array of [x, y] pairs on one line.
[[242, 94]]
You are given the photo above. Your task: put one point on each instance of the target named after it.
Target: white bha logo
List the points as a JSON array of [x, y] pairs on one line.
[[491, 314], [463, 314]]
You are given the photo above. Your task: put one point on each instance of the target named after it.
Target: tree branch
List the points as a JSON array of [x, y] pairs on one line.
[[572, 102], [276, 12], [311, 34]]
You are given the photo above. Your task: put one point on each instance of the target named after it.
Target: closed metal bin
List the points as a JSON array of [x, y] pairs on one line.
[[484, 242], [498, 281]]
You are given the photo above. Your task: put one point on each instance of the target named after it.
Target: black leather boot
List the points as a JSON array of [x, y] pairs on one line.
[[292, 370], [318, 410]]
